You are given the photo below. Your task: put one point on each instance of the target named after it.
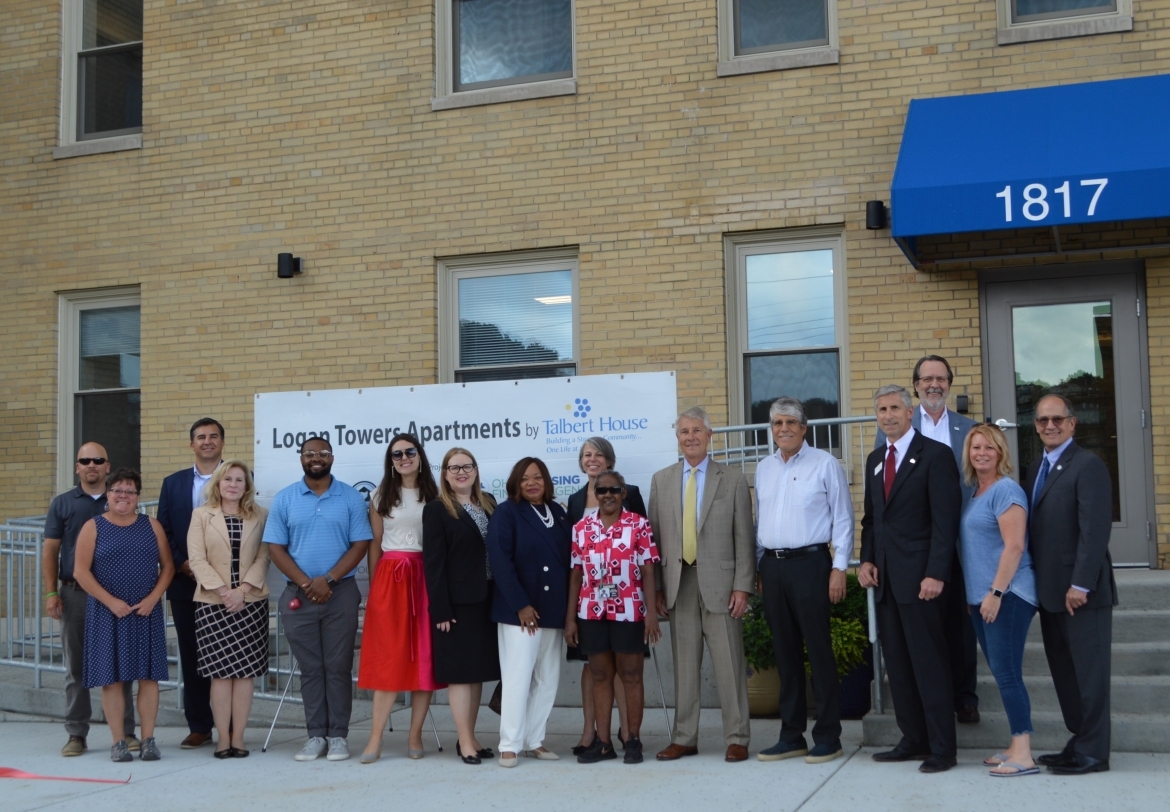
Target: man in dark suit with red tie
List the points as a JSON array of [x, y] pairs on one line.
[[912, 507]]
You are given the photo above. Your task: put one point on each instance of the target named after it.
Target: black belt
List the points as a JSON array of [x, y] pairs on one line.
[[69, 582], [796, 552]]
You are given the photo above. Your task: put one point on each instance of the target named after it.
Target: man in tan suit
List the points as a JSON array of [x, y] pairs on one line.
[[701, 513]]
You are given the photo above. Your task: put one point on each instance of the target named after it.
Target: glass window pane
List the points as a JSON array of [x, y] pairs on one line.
[[790, 300], [517, 318], [111, 91], [772, 25], [1031, 10], [110, 22], [812, 377], [112, 419], [515, 373], [499, 42], [108, 348], [1067, 349]]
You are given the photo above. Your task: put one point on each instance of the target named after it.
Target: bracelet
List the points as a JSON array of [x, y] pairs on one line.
[[51, 595]]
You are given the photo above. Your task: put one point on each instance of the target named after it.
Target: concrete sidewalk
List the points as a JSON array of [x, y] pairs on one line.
[[193, 780]]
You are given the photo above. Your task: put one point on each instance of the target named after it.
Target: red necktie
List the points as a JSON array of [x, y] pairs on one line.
[[891, 470]]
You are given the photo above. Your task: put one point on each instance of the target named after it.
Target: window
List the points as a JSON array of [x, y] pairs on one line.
[[1031, 20], [502, 50], [100, 378], [787, 330], [509, 317], [101, 94], [763, 35]]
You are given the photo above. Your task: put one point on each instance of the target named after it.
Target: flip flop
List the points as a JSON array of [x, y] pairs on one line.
[[1018, 770], [995, 761]]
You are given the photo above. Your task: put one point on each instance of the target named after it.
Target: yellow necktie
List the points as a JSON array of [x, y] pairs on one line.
[[691, 520]]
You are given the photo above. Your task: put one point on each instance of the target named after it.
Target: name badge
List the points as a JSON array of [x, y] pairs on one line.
[[878, 470], [607, 592]]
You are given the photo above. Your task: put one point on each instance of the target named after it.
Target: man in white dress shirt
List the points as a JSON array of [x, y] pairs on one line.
[[804, 539]]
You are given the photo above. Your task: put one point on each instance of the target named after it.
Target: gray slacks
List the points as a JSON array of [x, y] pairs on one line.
[[690, 624], [78, 709], [321, 636]]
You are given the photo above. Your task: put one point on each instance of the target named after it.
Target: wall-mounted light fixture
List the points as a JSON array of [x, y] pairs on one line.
[[287, 266], [875, 215]]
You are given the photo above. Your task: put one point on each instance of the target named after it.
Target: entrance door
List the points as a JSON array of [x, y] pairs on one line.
[[1082, 336]]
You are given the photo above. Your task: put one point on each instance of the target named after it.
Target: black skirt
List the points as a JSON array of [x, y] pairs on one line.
[[470, 652]]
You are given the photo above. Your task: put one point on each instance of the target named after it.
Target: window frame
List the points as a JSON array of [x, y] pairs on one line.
[[70, 307], [70, 143], [453, 269], [732, 64], [736, 248], [447, 98], [1010, 32]]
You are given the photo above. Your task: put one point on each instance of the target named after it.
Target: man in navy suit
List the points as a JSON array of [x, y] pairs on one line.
[[932, 383], [182, 492], [912, 505]]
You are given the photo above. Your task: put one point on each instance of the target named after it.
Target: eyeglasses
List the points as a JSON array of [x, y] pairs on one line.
[[409, 453], [91, 460], [466, 469], [120, 492], [929, 379], [1057, 421], [616, 490], [317, 455]]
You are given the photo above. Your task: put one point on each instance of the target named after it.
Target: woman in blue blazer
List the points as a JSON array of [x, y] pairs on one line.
[[528, 549]]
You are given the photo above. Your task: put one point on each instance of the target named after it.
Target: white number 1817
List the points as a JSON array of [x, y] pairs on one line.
[[1036, 199]]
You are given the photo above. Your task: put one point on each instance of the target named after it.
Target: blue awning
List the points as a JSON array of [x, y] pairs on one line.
[[1087, 153]]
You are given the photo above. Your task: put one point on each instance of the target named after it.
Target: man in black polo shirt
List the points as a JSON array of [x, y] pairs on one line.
[[66, 601]]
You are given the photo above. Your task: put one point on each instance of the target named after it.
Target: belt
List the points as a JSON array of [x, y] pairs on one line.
[[796, 552], [69, 582]]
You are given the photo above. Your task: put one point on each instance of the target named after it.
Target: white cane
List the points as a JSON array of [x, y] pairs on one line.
[[291, 670], [661, 693]]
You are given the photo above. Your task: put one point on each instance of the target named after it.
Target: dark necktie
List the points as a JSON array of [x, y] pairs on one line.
[[891, 470], [1043, 475]]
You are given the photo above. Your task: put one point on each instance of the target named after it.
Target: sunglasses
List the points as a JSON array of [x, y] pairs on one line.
[[91, 460], [409, 453], [616, 490], [1057, 421]]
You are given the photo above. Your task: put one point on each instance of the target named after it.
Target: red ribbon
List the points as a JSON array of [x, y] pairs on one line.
[[9, 772]]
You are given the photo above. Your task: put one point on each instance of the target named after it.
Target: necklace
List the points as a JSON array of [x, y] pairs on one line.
[[546, 518]]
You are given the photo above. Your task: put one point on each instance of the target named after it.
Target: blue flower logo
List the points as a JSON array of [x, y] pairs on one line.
[[581, 407]]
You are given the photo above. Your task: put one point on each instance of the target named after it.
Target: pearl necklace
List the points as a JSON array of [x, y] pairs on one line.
[[546, 518]]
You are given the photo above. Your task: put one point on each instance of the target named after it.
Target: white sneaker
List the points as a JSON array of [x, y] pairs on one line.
[[338, 749], [313, 748]]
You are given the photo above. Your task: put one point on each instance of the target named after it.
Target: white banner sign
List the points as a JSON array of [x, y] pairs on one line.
[[498, 421]]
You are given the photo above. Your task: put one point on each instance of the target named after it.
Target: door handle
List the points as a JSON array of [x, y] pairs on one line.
[[1003, 424]]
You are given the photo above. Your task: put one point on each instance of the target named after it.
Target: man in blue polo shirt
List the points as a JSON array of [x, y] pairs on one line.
[[317, 532]]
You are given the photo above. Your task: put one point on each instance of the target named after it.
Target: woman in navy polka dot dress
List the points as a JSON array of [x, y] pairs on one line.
[[124, 564]]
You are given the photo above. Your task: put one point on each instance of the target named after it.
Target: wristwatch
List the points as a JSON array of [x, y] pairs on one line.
[[329, 580], [997, 592]]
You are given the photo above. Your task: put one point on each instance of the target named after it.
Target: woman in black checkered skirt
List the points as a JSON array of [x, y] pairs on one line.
[[231, 623]]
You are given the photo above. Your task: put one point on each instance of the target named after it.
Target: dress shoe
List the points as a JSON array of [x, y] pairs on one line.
[[474, 759], [967, 715], [1061, 759], [937, 764], [900, 753], [676, 751], [223, 753], [1080, 764], [240, 752], [74, 747], [736, 752], [194, 741]]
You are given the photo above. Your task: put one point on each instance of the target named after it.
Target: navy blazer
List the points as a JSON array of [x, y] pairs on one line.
[[174, 514], [530, 563], [633, 503]]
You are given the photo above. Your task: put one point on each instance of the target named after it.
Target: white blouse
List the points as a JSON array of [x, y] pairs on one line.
[[402, 529]]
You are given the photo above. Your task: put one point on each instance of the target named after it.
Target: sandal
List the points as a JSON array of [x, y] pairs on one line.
[[1016, 770], [995, 761]]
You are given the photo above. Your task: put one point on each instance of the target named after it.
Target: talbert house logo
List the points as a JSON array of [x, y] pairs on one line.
[[585, 420]]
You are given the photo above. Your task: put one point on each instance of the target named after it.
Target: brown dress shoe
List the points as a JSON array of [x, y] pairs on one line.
[[194, 741], [677, 751], [736, 752]]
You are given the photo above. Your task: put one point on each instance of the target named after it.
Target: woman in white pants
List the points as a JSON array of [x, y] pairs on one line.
[[528, 548]]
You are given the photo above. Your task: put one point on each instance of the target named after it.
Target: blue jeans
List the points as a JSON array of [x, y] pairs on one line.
[[1003, 645]]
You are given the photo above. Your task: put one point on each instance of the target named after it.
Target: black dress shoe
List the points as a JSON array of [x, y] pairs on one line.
[[485, 753], [467, 759], [1080, 764], [224, 753], [967, 715], [900, 753], [239, 752], [1057, 759], [937, 764]]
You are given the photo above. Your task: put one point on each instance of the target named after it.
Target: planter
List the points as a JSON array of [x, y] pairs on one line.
[[763, 692], [855, 690]]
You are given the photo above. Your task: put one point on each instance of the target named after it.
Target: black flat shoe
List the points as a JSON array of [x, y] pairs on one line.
[[467, 759], [224, 753], [239, 752]]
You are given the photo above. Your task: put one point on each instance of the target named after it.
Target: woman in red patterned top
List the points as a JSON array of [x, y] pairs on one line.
[[612, 558]]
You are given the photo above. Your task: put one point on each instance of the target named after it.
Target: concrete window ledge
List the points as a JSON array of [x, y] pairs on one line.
[[779, 61], [507, 93], [1061, 29], [118, 143]]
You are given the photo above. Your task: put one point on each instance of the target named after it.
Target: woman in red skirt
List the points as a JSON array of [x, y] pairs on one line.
[[396, 638]]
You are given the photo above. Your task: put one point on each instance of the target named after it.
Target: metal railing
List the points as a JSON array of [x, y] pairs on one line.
[[30, 639]]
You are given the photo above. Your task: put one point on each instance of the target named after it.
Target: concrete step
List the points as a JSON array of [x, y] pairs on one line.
[[1129, 659], [1132, 733], [1143, 589], [1137, 695], [1129, 626]]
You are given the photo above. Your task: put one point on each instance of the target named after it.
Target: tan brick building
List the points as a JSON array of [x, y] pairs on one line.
[[668, 165]]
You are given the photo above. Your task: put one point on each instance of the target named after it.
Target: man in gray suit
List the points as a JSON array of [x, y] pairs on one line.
[[932, 384], [1068, 533], [701, 513]]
